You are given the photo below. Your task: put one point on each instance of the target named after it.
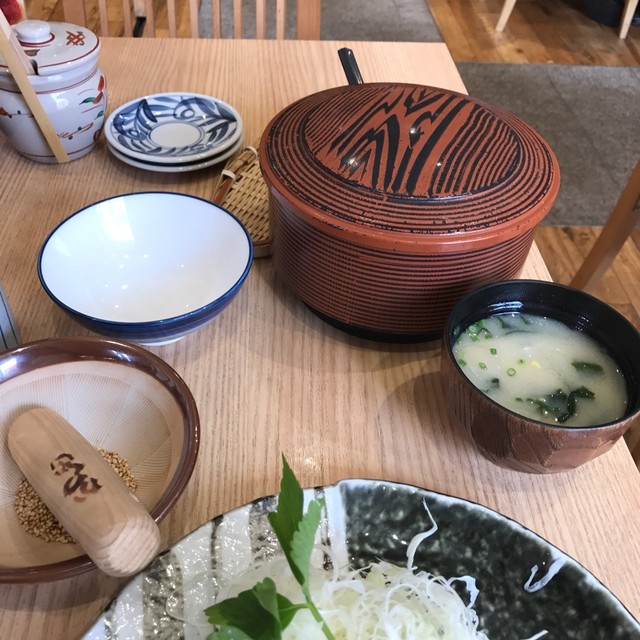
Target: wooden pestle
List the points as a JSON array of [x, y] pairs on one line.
[[84, 492]]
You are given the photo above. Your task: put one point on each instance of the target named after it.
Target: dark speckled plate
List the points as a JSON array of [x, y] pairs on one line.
[[526, 585]]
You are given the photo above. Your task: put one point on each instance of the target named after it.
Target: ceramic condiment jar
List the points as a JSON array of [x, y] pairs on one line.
[[69, 83]]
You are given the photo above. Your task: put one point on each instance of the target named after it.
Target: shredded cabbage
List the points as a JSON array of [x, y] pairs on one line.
[[389, 603], [381, 602]]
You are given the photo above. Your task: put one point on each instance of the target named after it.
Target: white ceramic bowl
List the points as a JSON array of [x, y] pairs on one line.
[[146, 267]]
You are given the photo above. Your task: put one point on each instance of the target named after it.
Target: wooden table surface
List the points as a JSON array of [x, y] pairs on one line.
[[267, 375]]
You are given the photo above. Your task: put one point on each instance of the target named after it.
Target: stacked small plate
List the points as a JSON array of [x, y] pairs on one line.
[[174, 132]]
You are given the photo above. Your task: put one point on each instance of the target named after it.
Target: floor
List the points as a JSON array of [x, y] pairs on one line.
[[551, 31], [538, 31]]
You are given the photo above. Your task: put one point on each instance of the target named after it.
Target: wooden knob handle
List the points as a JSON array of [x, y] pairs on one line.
[[84, 492]]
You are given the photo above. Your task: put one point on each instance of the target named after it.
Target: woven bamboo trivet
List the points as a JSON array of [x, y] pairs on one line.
[[244, 193]]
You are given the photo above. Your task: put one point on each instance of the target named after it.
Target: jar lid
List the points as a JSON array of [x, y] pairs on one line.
[[56, 47], [416, 166]]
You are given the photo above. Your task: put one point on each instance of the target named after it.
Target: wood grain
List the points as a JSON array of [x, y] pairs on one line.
[[538, 31], [268, 376]]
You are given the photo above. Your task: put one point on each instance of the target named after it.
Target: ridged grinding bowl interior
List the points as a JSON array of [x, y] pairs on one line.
[[512, 440], [388, 202], [121, 398]]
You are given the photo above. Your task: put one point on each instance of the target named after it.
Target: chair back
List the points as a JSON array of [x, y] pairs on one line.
[[197, 18], [618, 227]]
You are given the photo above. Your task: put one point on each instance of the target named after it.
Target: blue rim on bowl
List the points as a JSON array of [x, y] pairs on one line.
[[148, 331], [173, 128]]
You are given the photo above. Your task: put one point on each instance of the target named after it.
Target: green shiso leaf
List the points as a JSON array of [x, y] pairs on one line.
[[253, 614], [262, 613], [286, 519], [302, 543]]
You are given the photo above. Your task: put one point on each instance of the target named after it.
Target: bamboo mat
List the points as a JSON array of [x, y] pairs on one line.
[[242, 191]]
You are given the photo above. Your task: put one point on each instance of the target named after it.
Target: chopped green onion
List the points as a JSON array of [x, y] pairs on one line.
[[511, 372], [482, 365], [476, 329], [494, 351]]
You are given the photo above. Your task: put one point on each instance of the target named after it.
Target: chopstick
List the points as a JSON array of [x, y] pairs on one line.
[[20, 68], [10, 35]]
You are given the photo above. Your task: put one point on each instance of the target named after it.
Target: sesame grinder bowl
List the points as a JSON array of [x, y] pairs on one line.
[[388, 202]]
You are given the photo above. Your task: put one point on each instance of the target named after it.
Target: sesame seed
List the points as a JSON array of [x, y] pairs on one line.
[[35, 517]]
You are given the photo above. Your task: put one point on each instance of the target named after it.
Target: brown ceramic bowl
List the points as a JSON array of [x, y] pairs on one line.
[[119, 397], [521, 443], [388, 202]]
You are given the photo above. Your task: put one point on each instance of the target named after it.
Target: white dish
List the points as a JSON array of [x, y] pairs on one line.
[[173, 128], [526, 585], [176, 168]]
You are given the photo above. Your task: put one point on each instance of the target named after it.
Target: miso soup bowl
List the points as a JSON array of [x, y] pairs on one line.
[[518, 442]]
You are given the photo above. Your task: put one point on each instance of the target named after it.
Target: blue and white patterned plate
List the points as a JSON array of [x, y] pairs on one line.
[[183, 167], [173, 128], [526, 585]]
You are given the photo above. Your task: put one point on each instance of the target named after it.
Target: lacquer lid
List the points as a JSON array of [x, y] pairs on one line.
[[56, 47], [416, 167]]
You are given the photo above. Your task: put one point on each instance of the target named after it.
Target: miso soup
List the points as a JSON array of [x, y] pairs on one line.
[[542, 369]]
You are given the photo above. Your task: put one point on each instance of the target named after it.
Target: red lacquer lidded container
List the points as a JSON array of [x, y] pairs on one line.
[[389, 202]]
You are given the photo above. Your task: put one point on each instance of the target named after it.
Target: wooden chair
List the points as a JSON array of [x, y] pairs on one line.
[[140, 17], [507, 8], [624, 217], [630, 7]]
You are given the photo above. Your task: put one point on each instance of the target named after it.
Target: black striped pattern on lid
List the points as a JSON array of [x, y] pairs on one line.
[[402, 160]]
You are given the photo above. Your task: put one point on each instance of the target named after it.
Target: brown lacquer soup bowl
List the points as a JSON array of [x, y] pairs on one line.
[[520, 442], [388, 202]]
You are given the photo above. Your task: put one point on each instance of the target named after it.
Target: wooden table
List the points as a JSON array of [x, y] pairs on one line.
[[270, 377]]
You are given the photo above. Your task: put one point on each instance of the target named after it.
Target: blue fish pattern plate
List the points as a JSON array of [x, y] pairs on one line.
[[528, 588], [173, 128]]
